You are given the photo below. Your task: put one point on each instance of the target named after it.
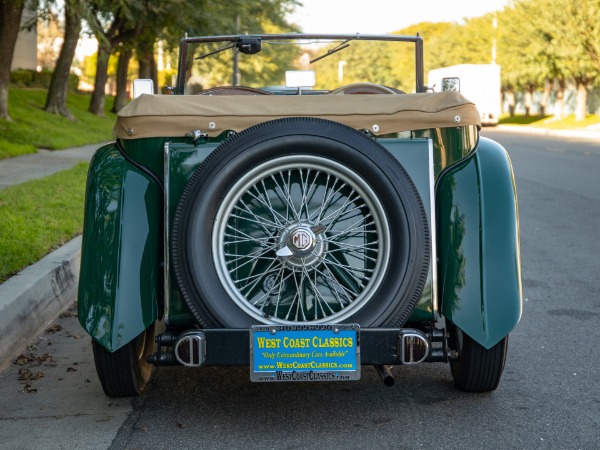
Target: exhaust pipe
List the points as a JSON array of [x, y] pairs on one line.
[[385, 374]]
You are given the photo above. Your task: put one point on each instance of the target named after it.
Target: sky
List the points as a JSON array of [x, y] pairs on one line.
[[372, 16], [384, 16]]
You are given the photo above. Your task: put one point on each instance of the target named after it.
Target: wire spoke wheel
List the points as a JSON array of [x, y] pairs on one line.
[[302, 238]]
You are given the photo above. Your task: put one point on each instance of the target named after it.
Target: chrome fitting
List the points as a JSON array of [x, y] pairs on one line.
[[414, 346], [190, 349]]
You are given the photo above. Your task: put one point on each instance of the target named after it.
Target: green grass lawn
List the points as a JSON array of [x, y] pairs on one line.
[[32, 128], [39, 216], [568, 123]]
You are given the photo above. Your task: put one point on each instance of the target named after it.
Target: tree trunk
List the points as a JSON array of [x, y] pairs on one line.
[[545, 97], [122, 79], [144, 64], [56, 101], [581, 102], [147, 63], [189, 65], [10, 22], [510, 98], [98, 96], [154, 72], [528, 100], [119, 32], [559, 106]]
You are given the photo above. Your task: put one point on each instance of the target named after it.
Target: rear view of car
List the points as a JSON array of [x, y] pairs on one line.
[[302, 230]]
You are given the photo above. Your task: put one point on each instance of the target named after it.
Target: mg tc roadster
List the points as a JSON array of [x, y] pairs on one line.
[[301, 222]]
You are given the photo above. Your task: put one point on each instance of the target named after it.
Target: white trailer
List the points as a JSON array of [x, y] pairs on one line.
[[480, 83]]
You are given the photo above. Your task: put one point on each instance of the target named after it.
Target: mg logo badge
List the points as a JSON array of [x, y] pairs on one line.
[[301, 239]]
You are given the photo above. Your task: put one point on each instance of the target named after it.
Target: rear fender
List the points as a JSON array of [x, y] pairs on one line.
[[120, 278], [478, 245]]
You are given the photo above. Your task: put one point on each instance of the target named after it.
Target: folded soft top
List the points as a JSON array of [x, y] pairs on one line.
[[175, 115]]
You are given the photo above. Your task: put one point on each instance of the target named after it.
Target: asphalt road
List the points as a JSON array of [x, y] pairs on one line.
[[549, 396]]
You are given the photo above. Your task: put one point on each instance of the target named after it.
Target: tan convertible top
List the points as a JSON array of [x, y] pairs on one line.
[[176, 115]]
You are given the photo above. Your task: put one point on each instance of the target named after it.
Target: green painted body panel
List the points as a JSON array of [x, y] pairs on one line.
[[478, 245], [450, 145], [148, 152], [415, 157], [185, 158], [121, 282], [121, 276]]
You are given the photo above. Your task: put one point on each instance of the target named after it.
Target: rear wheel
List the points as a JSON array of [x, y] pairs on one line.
[[477, 368], [125, 372]]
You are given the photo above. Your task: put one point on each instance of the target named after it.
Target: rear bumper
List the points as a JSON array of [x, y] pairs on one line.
[[231, 347]]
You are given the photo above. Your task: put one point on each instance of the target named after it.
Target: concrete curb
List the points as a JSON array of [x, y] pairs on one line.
[[36, 296]]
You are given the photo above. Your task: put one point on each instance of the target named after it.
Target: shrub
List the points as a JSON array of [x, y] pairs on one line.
[[21, 77], [34, 79]]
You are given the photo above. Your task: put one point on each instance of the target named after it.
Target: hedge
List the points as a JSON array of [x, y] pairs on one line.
[[33, 79]]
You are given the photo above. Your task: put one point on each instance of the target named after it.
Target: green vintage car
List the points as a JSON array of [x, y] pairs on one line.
[[299, 228]]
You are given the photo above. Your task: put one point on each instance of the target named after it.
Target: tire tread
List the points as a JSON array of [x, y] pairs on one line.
[[479, 369], [119, 372]]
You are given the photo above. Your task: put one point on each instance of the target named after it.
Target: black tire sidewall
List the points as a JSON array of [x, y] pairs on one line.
[[195, 217], [477, 369], [122, 373]]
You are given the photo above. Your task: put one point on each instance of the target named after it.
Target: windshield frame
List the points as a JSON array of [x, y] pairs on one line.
[[416, 40]]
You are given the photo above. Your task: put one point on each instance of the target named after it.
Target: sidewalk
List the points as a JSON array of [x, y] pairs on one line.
[[46, 162], [39, 293]]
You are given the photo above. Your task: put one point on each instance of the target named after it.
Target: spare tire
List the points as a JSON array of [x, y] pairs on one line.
[[300, 220]]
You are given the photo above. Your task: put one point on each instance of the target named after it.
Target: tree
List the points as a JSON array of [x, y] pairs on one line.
[[470, 43], [112, 22], [582, 60], [519, 54], [131, 24], [56, 100], [125, 54], [212, 18], [146, 61], [138, 24], [11, 12], [563, 42], [50, 32], [156, 16], [435, 37]]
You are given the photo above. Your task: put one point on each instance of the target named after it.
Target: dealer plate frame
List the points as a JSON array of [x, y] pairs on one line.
[[327, 352]]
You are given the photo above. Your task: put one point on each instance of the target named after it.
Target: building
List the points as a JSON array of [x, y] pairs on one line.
[[25, 56]]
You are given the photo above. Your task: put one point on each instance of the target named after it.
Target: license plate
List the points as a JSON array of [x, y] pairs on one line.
[[304, 353]]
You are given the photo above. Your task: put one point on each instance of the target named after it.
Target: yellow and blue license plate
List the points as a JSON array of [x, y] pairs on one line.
[[304, 352]]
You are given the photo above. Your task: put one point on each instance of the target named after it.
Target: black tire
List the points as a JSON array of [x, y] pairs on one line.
[[309, 156], [477, 368], [125, 372]]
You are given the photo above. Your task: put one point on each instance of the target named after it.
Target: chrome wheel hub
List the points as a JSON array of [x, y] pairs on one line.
[[301, 240], [302, 245]]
